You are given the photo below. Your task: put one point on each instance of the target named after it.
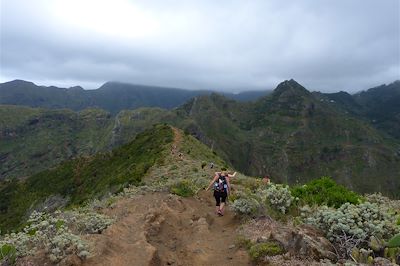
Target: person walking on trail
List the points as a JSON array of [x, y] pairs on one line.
[[228, 176], [221, 186]]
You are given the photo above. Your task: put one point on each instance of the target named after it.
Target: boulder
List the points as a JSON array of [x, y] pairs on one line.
[[302, 241]]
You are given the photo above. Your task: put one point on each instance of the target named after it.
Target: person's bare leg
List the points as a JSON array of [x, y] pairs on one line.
[[221, 207], [216, 209]]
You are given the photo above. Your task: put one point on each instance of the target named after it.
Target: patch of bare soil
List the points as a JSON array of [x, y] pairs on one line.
[[163, 229]]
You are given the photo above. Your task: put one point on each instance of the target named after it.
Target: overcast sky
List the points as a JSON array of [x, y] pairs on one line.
[[227, 45]]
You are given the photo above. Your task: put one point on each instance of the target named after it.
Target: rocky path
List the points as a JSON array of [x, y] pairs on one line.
[[156, 228], [162, 229]]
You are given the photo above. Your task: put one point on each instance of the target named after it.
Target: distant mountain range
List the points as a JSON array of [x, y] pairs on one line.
[[292, 134], [112, 96], [379, 106]]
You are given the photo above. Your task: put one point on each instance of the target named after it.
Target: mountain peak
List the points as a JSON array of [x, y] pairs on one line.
[[76, 88], [20, 82], [290, 88]]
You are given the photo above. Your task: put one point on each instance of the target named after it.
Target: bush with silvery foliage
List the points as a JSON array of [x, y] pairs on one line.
[[56, 234], [352, 225], [278, 196], [245, 206], [86, 221]]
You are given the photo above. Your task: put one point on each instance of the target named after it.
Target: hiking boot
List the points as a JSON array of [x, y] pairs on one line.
[[220, 213]]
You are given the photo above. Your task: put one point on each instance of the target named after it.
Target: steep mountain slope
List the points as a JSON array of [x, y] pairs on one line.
[[150, 226], [294, 137], [378, 106], [78, 180], [34, 139], [112, 96], [382, 107]]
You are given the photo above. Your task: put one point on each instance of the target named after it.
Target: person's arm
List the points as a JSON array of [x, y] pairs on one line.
[[212, 182], [232, 175]]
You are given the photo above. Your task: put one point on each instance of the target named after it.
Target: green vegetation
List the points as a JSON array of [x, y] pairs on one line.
[[245, 206], [363, 225], [353, 225], [278, 197], [260, 250], [183, 188], [394, 241], [7, 254], [293, 135], [58, 235], [324, 191], [84, 178]]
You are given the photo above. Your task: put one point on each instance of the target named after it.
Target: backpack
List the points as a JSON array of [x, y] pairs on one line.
[[221, 184]]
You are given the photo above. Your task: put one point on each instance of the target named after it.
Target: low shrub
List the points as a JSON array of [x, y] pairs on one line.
[[394, 242], [87, 222], [250, 183], [353, 225], [325, 191], [391, 204], [260, 250], [56, 234], [243, 242], [183, 188], [245, 206], [8, 254], [278, 197], [48, 233]]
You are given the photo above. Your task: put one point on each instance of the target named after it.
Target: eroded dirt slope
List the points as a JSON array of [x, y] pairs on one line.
[[162, 229]]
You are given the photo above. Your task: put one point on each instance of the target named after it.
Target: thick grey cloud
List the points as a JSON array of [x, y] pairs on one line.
[[228, 45]]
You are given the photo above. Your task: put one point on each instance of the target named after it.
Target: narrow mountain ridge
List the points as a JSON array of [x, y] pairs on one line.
[[76, 181]]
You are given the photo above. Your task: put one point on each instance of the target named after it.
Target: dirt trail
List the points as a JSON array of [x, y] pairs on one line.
[[162, 229], [157, 228]]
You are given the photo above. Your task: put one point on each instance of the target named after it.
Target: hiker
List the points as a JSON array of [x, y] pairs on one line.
[[266, 180], [221, 186], [229, 176]]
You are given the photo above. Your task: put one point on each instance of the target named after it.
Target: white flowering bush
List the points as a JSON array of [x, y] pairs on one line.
[[48, 233], [245, 206], [86, 221], [385, 202], [353, 225], [21, 242], [56, 234], [278, 196]]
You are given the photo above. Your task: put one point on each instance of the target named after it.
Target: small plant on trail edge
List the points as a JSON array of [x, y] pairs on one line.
[[325, 191], [245, 206], [243, 242], [183, 188], [258, 251], [8, 254]]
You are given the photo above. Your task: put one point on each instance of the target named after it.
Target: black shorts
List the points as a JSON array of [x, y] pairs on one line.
[[220, 196]]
